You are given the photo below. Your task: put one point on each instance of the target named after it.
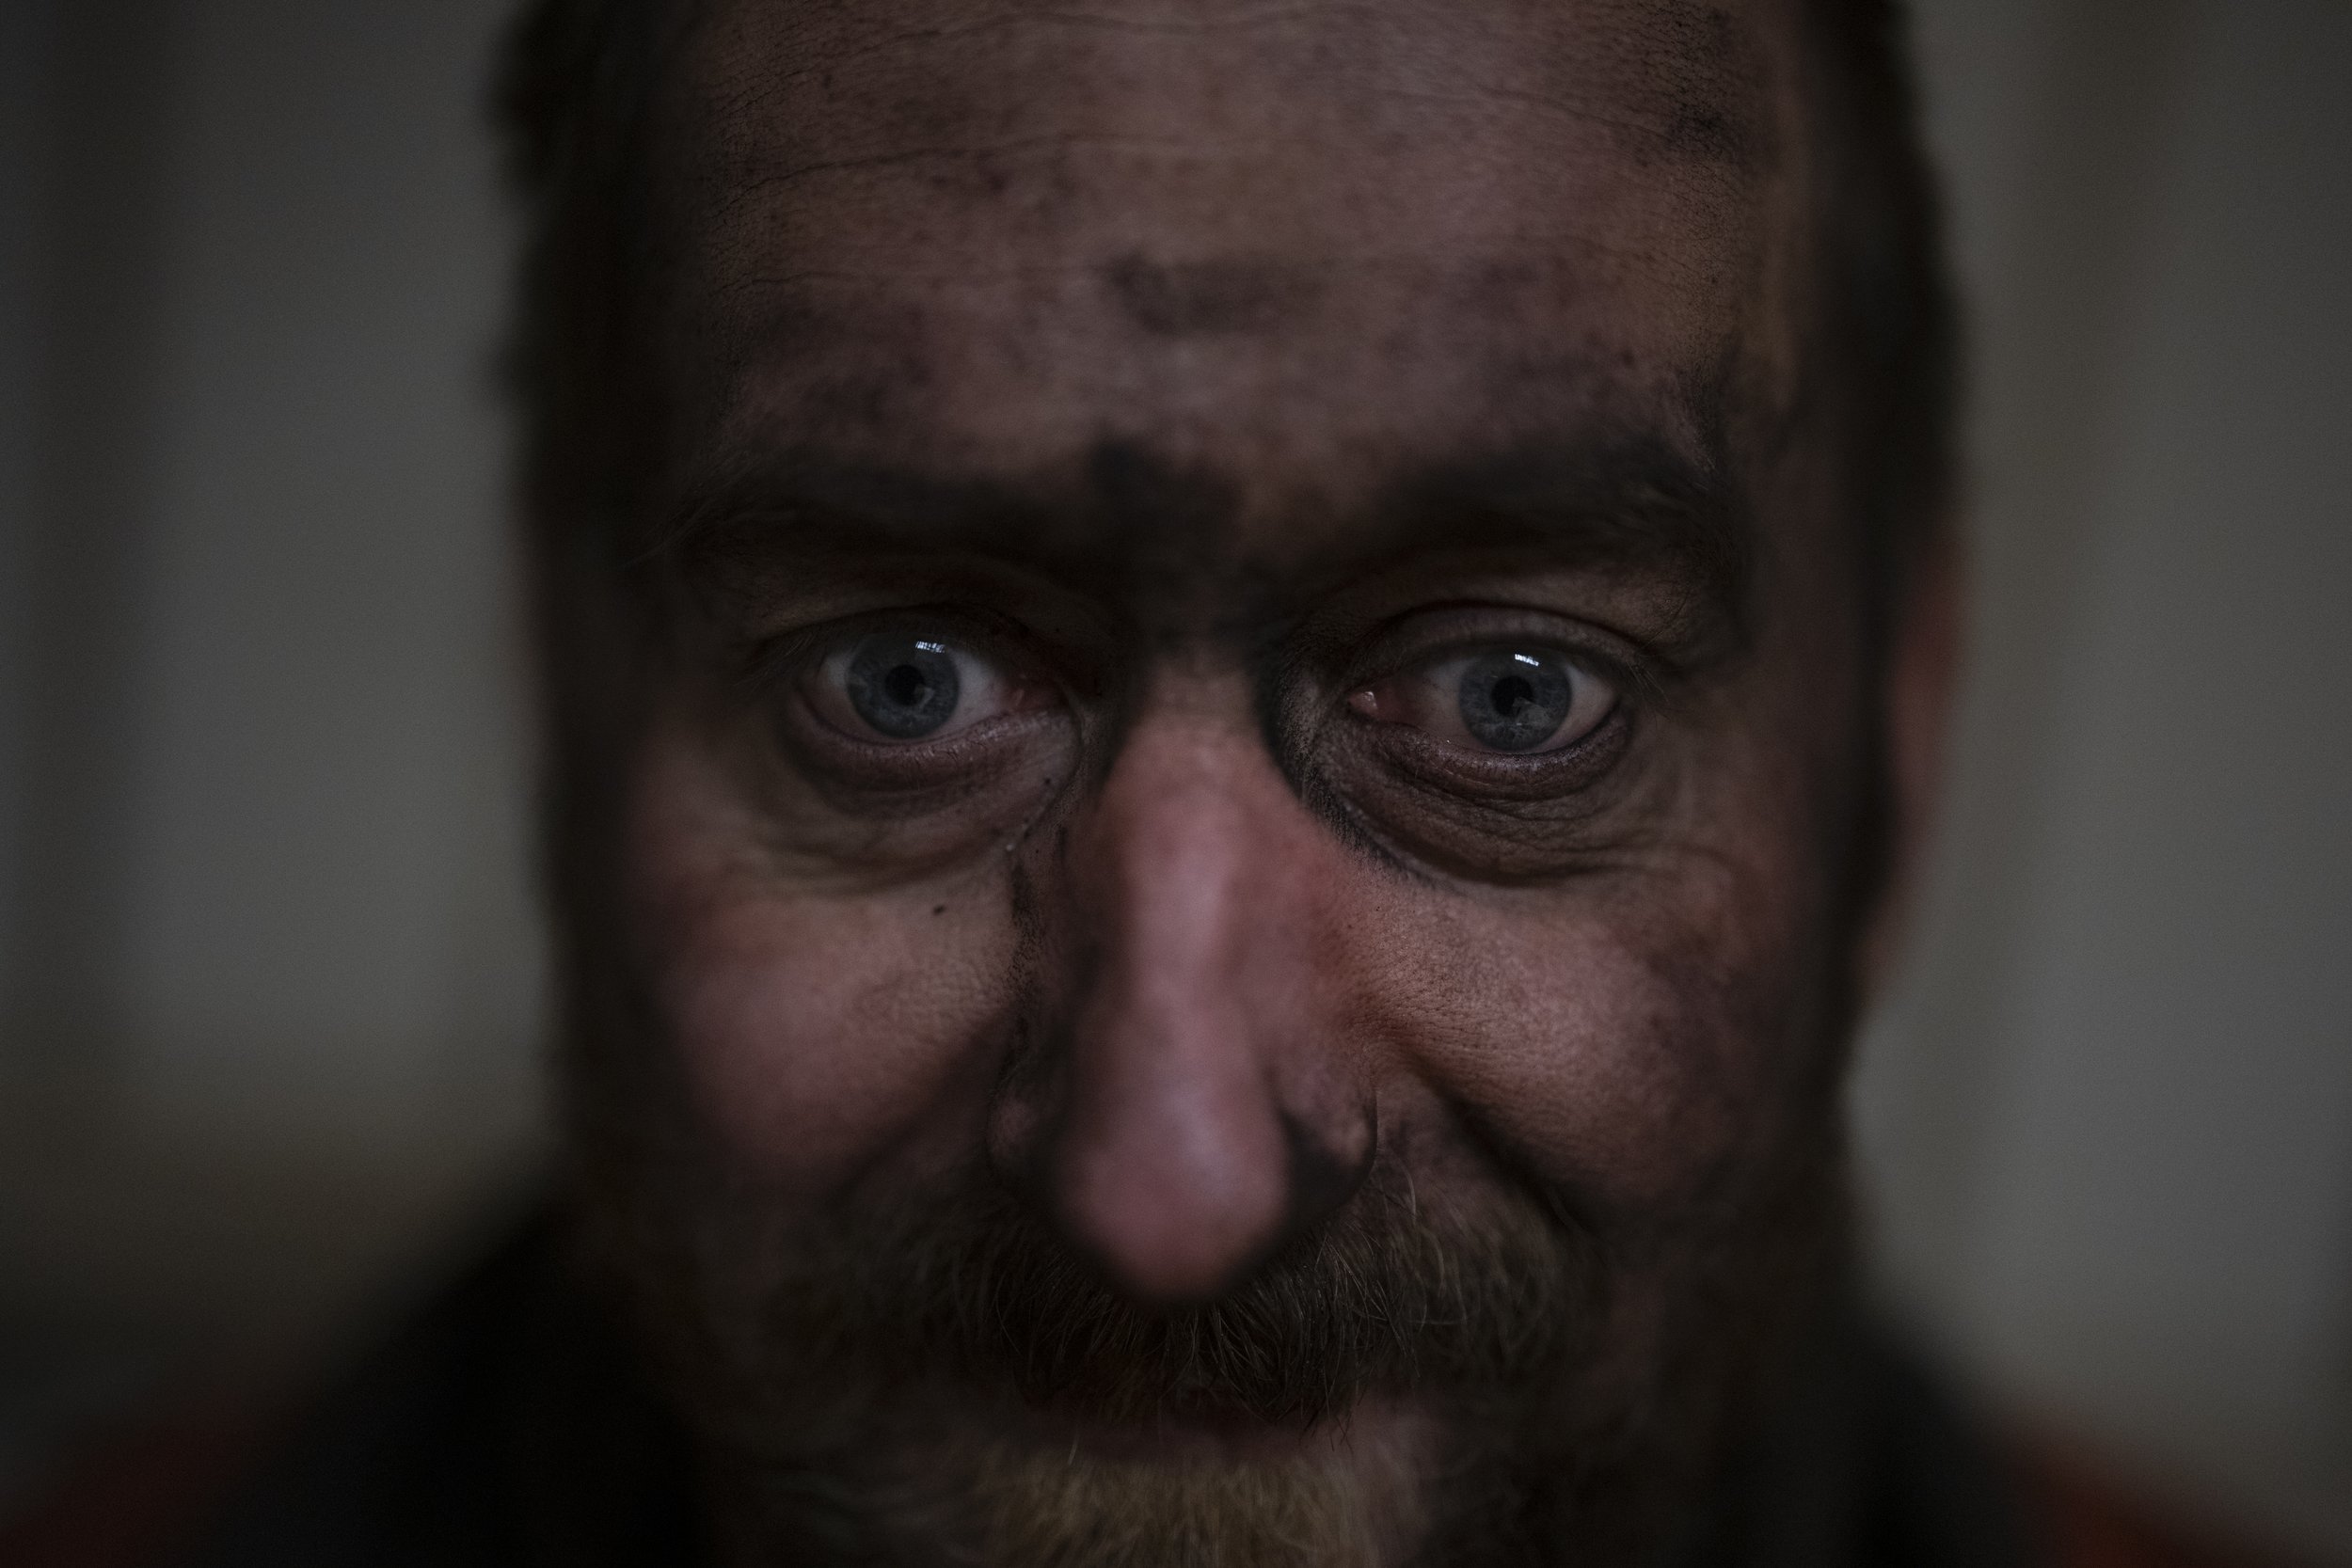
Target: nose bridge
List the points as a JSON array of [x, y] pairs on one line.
[[1174, 864], [1179, 1156]]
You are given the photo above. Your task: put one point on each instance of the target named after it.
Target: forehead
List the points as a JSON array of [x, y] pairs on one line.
[[1292, 244]]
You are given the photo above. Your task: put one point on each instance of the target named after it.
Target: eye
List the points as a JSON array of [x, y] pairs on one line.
[[1515, 701], [899, 688]]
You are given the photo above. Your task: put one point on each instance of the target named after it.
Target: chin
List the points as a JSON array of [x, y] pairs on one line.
[[1350, 1491]]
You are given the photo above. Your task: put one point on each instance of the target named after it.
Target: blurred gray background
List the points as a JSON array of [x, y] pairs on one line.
[[269, 982]]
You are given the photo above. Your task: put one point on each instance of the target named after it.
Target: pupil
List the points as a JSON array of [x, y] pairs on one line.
[[903, 687], [1511, 693]]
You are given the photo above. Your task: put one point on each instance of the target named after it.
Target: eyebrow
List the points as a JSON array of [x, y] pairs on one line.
[[1635, 503], [1632, 504]]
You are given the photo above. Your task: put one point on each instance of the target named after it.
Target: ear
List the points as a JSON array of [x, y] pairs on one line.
[[1923, 669]]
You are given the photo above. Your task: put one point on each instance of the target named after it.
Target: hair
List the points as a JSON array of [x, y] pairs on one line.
[[1885, 316], [572, 97]]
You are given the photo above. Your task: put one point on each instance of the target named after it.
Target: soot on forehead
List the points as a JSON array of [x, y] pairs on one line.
[[1207, 299], [1046, 275], [967, 94], [1166, 533]]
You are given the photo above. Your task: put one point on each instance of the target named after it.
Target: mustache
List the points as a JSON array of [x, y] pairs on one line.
[[975, 1288]]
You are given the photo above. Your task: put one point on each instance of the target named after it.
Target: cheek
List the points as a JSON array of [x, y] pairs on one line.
[[1634, 1045], [1655, 1030], [817, 1034]]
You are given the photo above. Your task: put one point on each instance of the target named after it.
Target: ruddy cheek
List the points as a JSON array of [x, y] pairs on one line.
[[814, 1036], [1599, 1063], [814, 1030]]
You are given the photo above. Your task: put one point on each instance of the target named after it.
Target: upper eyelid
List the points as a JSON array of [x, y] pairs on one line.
[[1391, 653], [784, 654]]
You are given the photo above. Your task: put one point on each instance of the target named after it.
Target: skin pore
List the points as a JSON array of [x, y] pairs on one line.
[[1232, 911]]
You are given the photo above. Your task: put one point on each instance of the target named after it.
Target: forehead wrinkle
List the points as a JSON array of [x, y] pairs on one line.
[[755, 142], [1017, 187], [767, 88], [1686, 45], [1686, 82], [981, 326]]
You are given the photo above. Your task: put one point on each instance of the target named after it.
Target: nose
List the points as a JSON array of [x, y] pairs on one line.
[[1212, 1109]]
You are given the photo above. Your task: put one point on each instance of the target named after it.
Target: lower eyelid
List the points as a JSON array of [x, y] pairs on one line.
[[1530, 776], [912, 779]]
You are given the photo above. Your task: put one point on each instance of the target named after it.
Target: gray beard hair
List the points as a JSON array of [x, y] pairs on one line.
[[919, 1383]]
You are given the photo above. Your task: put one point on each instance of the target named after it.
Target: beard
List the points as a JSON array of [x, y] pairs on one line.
[[1494, 1377]]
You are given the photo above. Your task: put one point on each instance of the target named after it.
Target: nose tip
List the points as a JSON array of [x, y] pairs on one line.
[[1228, 1218], [1207, 1117], [1180, 1180], [1177, 1195]]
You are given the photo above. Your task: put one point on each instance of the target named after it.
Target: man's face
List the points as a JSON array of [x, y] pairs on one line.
[[1233, 907]]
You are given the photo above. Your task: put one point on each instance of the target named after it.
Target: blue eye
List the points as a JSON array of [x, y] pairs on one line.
[[1514, 702], [905, 687]]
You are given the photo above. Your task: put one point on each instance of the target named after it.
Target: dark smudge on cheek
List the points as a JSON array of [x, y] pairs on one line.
[[1751, 1015], [1023, 905]]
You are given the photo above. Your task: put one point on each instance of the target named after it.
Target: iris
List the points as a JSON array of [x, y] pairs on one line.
[[1514, 702], [906, 688]]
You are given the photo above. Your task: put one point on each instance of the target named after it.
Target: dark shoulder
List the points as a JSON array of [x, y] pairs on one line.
[[1874, 1460], [503, 1425]]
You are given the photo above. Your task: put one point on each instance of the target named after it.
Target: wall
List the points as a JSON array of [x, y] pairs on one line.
[[267, 967], [2111, 1104]]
